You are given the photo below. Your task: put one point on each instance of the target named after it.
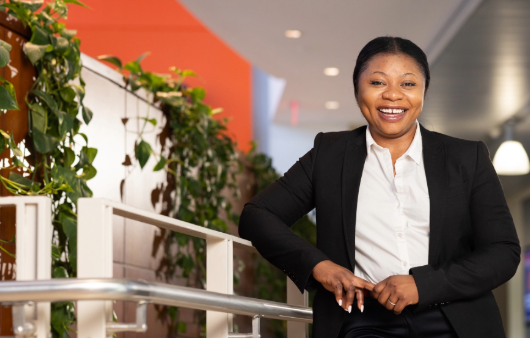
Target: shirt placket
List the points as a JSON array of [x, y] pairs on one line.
[[401, 222]]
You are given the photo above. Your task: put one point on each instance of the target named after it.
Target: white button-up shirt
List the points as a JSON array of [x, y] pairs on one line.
[[392, 228]]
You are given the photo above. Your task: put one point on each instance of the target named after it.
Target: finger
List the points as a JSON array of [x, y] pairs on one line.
[[369, 286], [337, 290], [383, 296], [360, 299], [350, 297], [390, 305], [400, 305]]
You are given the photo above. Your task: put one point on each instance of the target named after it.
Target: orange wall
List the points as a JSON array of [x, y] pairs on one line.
[[128, 28]]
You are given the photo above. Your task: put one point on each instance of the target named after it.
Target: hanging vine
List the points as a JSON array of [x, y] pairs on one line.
[[53, 163]]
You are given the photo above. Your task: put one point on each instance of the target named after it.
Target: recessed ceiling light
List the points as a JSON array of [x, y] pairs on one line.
[[332, 105], [293, 33], [331, 71]]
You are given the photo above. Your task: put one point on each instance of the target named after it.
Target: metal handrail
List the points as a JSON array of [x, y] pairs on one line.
[[58, 290]]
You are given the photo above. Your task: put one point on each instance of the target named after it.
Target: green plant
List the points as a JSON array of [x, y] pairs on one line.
[[50, 161], [8, 99], [201, 161]]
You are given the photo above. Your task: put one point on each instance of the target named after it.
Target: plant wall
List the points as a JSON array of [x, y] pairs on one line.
[[57, 160]]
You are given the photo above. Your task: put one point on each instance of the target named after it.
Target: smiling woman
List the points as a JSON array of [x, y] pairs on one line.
[[412, 225]]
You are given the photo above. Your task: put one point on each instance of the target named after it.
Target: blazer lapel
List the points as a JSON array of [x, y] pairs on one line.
[[435, 172], [352, 169]]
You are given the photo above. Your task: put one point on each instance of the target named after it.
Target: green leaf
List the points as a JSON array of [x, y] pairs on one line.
[[67, 175], [111, 59], [34, 52], [44, 143], [67, 93], [4, 134], [32, 5], [152, 121], [59, 272], [23, 181], [69, 157], [8, 97], [60, 44], [76, 2], [87, 114], [4, 53], [142, 152], [2, 144], [89, 172], [46, 98], [70, 229], [90, 154], [68, 33], [40, 37], [161, 164], [198, 93], [39, 117], [133, 67], [141, 57], [188, 72]]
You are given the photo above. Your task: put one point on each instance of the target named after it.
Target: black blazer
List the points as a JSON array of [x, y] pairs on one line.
[[473, 245]]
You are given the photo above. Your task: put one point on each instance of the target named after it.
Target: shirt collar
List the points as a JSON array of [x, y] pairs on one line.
[[414, 151]]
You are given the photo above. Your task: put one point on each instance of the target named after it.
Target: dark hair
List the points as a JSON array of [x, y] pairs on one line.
[[390, 45]]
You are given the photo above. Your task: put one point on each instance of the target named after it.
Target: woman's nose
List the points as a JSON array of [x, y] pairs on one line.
[[393, 93]]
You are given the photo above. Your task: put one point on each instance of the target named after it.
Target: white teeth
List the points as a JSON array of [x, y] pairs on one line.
[[392, 111]]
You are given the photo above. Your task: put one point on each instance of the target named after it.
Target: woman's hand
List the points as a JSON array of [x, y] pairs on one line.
[[400, 290], [343, 283]]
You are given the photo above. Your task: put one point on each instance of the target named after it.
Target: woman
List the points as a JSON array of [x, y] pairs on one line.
[[411, 223]]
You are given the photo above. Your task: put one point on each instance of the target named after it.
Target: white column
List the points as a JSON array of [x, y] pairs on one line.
[[94, 260], [219, 278], [33, 251], [294, 297], [515, 312]]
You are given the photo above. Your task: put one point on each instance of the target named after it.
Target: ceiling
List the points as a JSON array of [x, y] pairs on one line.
[[333, 32], [479, 53]]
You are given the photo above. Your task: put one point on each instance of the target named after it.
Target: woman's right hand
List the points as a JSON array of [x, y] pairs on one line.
[[343, 283]]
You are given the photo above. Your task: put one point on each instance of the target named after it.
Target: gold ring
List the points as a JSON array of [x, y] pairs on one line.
[[391, 302]]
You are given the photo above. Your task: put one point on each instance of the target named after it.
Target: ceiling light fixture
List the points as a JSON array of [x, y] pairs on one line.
[[331, 71], [511, 158], [293, 34], [332, 105]]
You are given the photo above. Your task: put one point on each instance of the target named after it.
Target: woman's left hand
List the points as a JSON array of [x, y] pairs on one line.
[[400, 290]]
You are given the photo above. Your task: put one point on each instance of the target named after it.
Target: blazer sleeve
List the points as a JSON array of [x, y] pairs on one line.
[[496, 252], [266, 220]]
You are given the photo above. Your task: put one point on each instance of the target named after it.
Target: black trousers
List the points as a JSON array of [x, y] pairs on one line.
[[378, 322]]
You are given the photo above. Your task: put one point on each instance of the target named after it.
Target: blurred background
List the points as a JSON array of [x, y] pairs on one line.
[[282, 72]]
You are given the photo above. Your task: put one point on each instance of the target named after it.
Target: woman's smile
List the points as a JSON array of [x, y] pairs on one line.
[[392, 113]]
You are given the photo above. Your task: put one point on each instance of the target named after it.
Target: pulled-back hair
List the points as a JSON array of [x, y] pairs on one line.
[[390, 45]]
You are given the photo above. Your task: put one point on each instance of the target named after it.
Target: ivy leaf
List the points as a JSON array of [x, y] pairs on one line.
[[2, 144], [90, 154], [76, 2], [142, 152], [47, 98], [60, 44], [39, 117], [59, 272], [69, 157], [4, 53], [8, 98], [89, 172], [68, 33], [111, 59], [70, 229], [198, 93], [23, 181], [34, 52], [133, 67], [87, 114], [40, 37], [141, 57], [161, 164], [152, 121], [188, 72], [44, 143], [67, 93]]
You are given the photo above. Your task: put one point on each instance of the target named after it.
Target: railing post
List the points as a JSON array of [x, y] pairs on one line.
[[294, 297], [94, 260], [33, 252], [219, 278]]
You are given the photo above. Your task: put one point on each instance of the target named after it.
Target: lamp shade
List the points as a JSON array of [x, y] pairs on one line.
[[511, 159]]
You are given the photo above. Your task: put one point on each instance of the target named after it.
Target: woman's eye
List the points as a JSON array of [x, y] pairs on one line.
[[409, 84], [377, 83]]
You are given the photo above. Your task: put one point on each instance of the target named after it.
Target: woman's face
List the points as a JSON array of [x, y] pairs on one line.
[[390, 94]]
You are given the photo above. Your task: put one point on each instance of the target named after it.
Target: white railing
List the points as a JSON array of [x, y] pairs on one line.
[[95, 239], [33, 251]]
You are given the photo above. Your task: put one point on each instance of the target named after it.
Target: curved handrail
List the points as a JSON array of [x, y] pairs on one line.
[[58, 290]]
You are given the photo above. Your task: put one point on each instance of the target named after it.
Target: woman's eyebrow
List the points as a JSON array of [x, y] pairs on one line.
[[409, 74]]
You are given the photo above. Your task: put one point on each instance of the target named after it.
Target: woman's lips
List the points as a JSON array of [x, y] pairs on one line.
[[392, 115]]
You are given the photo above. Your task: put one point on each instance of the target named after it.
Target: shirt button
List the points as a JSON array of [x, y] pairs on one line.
[[404, 263], [400, 235]]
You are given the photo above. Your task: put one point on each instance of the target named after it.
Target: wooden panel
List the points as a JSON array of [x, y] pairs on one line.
[[21, 73]]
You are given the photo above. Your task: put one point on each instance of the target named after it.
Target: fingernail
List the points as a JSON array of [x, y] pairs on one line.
[[349, 309], [362, 308], [340, 302]]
